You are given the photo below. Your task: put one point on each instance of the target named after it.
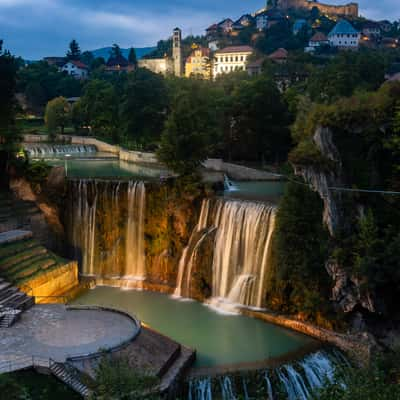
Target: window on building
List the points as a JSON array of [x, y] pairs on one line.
[[241, 58]]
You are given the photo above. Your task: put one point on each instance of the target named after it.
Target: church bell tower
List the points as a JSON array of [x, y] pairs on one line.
[[177, 52]]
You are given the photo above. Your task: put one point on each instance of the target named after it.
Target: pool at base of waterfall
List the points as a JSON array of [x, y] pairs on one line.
[[219, 339]]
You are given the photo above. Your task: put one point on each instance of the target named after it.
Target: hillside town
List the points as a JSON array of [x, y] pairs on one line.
[[284, 28]]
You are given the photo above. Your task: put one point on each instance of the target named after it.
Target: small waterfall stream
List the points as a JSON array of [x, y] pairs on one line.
[[40, 150], [241, 251], [135, 260], [106, 227], [296, 381]]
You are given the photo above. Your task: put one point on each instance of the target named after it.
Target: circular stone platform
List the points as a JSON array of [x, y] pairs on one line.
[[52, 331]]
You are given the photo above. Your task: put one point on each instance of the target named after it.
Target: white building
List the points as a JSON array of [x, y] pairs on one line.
[[344, 36], [231, 59], [76, 69]]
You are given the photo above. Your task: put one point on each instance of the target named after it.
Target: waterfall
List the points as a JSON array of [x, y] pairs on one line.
[[298, 381], [190, 252], [106, 227], [241, 251], [135, 260], [40, 150]]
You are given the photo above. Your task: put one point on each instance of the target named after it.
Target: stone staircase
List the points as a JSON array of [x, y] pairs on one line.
[[67, 376], [12, 303]]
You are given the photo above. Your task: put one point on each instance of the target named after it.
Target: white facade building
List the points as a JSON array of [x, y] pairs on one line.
[[76, 69], [230, 59], [344, 36]]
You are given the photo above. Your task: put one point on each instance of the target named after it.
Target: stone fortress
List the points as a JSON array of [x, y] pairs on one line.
[[350, 9]]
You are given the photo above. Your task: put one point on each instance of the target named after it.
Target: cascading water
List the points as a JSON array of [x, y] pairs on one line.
[[241, 251], [106, 227], [297, 381], [135, 260], [40, 150]]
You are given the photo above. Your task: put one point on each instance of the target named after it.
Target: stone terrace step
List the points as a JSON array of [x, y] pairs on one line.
[[14, 236], [4, 285], [20, 257], [42, 261], [7, 293], [12, 248]]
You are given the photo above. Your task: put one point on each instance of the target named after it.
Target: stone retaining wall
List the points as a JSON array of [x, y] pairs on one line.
[[360, 347], [49, 285], [239, 172]]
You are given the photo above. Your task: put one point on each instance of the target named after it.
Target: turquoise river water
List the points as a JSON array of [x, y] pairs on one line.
[[218, 338]]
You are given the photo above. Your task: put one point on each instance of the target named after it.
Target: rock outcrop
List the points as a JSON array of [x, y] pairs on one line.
[[346, 292], [321, 180]]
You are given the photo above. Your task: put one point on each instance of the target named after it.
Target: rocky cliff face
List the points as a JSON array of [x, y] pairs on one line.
[[347, 292], [41, 208], [171, 214], [322, 180]]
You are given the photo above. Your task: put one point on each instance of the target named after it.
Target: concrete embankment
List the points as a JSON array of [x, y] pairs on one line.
[[360, 347]]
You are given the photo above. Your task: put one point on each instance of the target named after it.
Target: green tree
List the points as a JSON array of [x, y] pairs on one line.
[[8, 132], [260, 130], [57, 115], [298, 281], [116, 379], [132, 57], [191, 127], [41, 82], [99, 106], [74, 52], [143, 107]]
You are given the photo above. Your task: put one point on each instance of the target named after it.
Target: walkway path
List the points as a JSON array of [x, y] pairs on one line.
[[52, 331]]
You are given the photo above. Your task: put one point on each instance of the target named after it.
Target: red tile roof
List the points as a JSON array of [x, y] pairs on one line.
[[279, 54], [235, 49], [79, 64], [319, 37]]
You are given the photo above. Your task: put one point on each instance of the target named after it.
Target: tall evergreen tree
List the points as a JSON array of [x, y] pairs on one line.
[[132, 57], [8, 132], [74, 52]]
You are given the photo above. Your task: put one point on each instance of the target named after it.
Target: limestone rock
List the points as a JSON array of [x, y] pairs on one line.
[[347, 291]]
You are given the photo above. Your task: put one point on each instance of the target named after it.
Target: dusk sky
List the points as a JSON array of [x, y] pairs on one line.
[[37, 28]]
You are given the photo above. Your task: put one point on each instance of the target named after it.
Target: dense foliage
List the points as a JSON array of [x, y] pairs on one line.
[[41, 82], [116, 379], [298, 282], [8, 131]]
